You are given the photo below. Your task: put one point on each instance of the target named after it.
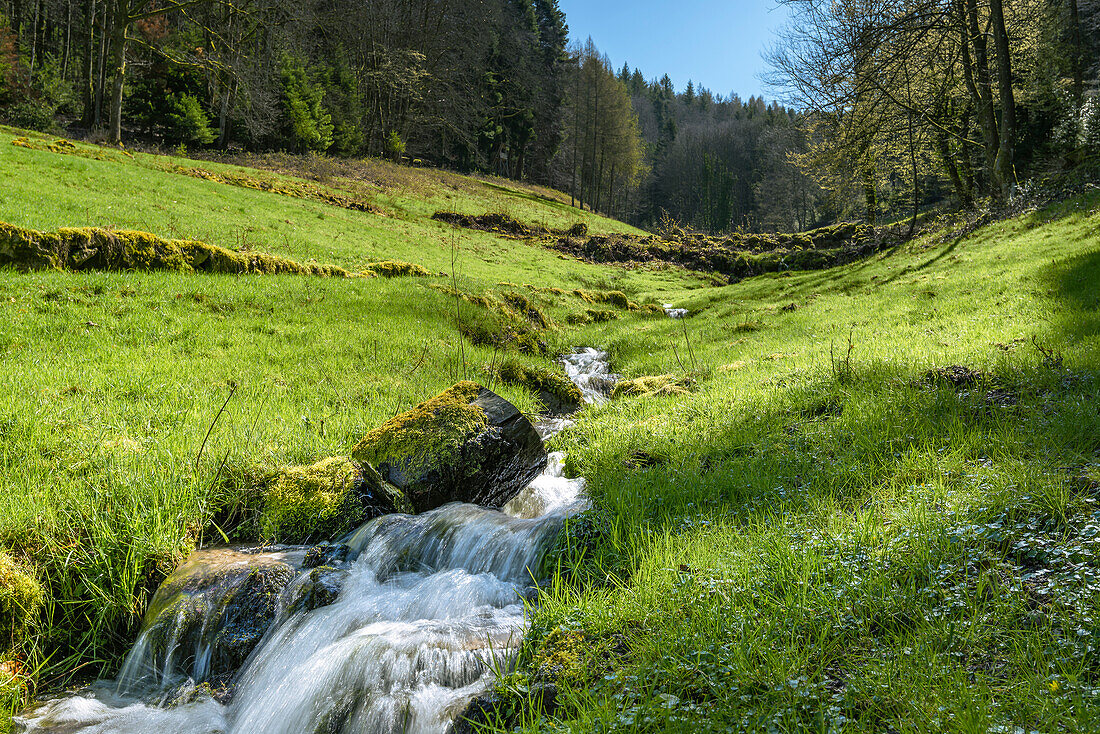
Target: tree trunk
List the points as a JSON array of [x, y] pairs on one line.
[[87, 81], [1006, 151], [1078, 60], [101, 65], [913, 171], [68, 39], [870, 195], [983, 94], [119, 24]]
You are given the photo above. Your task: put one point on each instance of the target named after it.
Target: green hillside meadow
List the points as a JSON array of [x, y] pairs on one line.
[[868, 498]]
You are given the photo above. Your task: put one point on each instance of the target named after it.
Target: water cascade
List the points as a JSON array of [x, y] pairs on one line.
[[393, 630], [674, 313]]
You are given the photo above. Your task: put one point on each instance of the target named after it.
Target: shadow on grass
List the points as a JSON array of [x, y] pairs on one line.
[[1075, 282]]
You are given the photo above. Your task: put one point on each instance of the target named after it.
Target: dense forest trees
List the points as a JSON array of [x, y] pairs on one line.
[[905, 98], [890, 105], [472, 86]]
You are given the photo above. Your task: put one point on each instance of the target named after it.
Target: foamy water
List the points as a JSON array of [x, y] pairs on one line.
[[431, 606]]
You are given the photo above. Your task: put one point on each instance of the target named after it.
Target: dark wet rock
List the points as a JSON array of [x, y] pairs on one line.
[[466, 444], [491, 709], [325, 554], [480, 712], [317, 588], [208, 616]]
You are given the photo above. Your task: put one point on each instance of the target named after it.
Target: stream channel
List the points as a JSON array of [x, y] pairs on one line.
[[424, 610]]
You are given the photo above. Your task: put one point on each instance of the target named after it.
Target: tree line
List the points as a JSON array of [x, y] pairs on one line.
[[491, 87], [889, 105]]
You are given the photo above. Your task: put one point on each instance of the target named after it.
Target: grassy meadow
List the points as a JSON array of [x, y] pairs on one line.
[[818, 532]]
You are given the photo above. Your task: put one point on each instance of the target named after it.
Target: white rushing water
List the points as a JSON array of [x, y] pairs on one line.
[[429, 609], [674, 313]]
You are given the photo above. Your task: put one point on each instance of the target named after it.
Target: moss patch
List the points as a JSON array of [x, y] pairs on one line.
[[324, 500], [551, 386], [428, 436], [522, 306], [297, 189], [397, 269], [91, 248], [20, 599], [653, 385], [612, 298]]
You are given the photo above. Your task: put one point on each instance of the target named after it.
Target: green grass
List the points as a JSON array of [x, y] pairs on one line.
[[822, 539], [816, 537]]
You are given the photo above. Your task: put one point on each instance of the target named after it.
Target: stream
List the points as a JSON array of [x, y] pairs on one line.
[[425, 610]]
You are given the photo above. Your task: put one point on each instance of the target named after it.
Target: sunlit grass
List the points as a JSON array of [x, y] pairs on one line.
[[821, 536]]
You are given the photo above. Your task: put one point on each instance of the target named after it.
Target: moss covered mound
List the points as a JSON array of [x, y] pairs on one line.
[[20, 599], [613, 298], [556, 391], [736, 256], [502, 327], [501, 224], [325, 500], [429, 434], [91, 248], [653, 385], [466, 444], [521, 305], [397, 269], [297, 189]]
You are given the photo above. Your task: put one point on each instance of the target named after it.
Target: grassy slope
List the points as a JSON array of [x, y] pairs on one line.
[[113, 379], [821, 540], [810, 540]]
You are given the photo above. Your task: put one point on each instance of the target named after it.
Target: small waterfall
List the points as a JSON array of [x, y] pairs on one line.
[[588, 369], [674, 313], [408, 618]]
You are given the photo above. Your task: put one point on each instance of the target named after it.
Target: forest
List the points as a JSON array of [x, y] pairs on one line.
[[888, 106]]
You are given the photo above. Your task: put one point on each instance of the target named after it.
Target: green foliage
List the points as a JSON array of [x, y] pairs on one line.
[[394, 146], [309, 124], [31, 113], [188, 122]]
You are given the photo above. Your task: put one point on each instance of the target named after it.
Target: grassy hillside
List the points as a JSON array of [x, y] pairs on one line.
[[815, 530], [831, 534]]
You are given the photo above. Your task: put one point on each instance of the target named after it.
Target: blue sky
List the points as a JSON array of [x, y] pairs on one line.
[[714, 43]]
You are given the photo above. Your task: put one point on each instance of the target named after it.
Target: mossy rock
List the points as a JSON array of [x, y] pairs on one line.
[[207, 617], [398, 269], [466, 444], [21, 598], [325, 500], [653, 385], [556, 391]]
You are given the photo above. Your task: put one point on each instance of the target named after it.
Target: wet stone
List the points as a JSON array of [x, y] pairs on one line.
[[325, 554]]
